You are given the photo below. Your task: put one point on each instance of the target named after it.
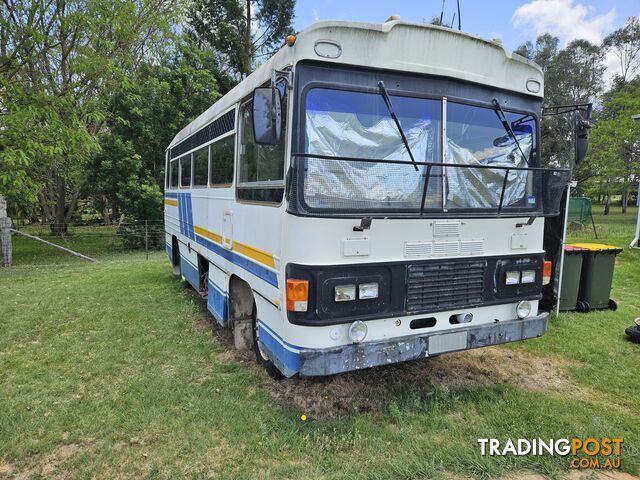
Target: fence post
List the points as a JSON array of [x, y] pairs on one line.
[[146, 239], [5, 233]]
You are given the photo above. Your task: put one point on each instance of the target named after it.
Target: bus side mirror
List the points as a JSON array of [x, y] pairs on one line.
[[267, 116], [582, 127]]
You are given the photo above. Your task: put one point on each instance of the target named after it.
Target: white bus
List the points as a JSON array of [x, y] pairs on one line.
[[371, 194]]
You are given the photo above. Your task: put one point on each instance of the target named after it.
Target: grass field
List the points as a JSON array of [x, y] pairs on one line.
[[110, 370]]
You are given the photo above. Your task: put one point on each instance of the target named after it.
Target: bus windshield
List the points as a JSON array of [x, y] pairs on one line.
[[349, 125]]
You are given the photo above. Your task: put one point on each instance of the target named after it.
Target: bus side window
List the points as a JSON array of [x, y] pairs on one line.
[[222, 161], [185, 171], [200, 167], [261, 167], [173, 174]]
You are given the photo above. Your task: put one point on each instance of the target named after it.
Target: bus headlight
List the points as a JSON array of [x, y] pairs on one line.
[[344, 293], [358, 331], [512, 278], [523, 309], [528, 276], [367, 291]]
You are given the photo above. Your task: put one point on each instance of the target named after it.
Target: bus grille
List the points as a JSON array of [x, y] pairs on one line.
[[437, 286]]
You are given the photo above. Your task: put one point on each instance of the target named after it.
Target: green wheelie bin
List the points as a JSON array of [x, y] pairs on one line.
[[571, 270], [597, 274]]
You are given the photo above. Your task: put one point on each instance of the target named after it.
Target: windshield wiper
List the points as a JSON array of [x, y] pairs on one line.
[[505, 123], [387, 101]]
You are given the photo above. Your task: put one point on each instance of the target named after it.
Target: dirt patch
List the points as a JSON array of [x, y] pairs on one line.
[[202, 324], [494, 365], [49, 464], [5, 469], [368, 390]]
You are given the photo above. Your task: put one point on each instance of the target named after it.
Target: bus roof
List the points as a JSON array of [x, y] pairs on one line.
[[393, 45]]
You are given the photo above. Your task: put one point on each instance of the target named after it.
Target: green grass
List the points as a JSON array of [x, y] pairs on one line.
[[103, 374]]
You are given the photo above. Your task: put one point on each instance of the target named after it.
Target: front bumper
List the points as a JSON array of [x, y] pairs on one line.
[[329, 361]]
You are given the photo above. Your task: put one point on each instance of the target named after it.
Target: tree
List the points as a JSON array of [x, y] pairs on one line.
[[58, 59], [615, 143], [572, 75], [240, 32], [543, 52], [625, 44], [147, 110]]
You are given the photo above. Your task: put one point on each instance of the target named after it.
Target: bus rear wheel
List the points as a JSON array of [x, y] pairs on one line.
[[175, 253], [261, 356]]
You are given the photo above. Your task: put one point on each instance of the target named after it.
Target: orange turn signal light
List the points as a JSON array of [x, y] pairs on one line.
[[291, 40], [297, 295], [546, 272]]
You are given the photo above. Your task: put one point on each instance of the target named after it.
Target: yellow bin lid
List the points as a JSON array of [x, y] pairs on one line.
[[596, 247]]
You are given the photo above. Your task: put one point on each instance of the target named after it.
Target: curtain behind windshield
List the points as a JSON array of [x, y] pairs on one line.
[[354, 124], [476, 136]]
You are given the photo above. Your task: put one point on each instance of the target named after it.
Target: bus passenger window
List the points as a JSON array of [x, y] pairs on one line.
[[200, 167], [185, 171], [173, 174], [222, 161]]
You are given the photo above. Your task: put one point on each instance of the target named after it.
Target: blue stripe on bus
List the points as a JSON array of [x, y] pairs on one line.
[[183, 203], [190, 227], [185, 219], [190, 272], [217, 303], [169, 251], [180, 206], [171, 195], [258, 270], [277, 347]]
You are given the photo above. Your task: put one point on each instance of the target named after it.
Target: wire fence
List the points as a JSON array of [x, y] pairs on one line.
[[90, 238]]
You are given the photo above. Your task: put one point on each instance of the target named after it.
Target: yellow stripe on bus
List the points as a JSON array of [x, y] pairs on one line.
[[207, 234], [169, 201], [255, 253], [252, 252]]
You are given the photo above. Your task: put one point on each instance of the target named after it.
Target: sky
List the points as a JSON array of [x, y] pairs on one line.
[[513, 21]]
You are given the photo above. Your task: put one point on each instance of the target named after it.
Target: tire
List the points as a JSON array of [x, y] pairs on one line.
[[583, 307], [613, 305], [634, 333], [261, 358], [175, 253]]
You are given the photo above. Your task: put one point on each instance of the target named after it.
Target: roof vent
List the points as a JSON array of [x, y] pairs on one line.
[[393, 18]]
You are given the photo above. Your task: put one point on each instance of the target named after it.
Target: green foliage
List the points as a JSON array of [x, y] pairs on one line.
[[58, 61], [614, 160], [572, 75], [147, 109], [221, 25], [117, 179], [625, 45]]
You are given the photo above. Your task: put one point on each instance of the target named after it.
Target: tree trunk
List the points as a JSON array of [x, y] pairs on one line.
[[607, 205], [106, 216], [248, 40], [625, 197], [59, 224]]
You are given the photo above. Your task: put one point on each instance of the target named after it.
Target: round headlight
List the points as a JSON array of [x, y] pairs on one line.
[[357, 331], [523, 309]]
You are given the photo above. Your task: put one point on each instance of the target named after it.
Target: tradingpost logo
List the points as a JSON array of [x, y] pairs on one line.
[[589, 453]]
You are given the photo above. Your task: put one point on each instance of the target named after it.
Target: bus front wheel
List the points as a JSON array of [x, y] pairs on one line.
[[261, 356]]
